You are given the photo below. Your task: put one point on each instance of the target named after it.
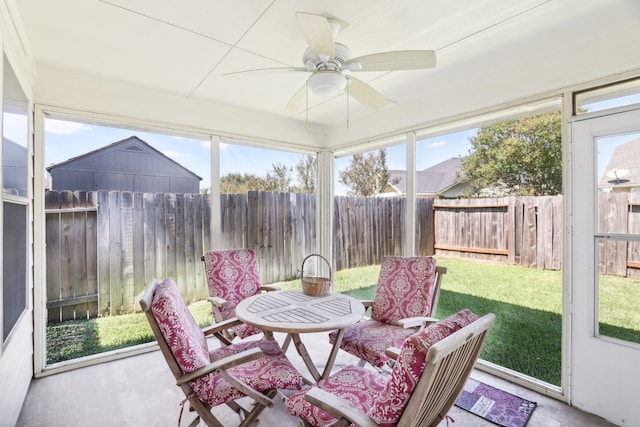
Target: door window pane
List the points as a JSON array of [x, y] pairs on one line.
[[618, 216]]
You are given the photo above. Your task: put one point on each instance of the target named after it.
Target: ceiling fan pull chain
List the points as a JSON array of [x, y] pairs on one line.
[[306, 104], [348, 95]]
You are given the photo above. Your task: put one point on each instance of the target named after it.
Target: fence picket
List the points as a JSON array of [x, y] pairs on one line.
[[104, 270]]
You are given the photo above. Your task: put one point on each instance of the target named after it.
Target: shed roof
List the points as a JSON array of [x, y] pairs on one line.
[[132, 143]]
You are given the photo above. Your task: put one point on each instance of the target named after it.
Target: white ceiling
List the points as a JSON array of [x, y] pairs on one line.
[[186, 47]]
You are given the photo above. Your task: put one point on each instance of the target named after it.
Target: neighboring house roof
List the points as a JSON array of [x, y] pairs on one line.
[[434, 180], [623, 170]]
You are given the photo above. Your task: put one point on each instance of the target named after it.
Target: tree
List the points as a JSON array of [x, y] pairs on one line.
[[366, 175], [235, 183], [279, 179], [307, 170], [516, 157]]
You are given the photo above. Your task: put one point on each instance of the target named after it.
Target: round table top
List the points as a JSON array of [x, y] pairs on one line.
[[295, 312]]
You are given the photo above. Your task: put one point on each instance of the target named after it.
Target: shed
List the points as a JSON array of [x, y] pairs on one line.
[[126, 165]]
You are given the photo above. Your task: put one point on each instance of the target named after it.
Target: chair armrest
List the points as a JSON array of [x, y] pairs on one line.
[[392, 352], [225, 363], [339, 408], [217, 301], [367, 302], [412, 322], [270, 288], [216, 304], [220, 368], [221, 326]]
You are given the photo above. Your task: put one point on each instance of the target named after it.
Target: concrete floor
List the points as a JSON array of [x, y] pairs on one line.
[[140, 391]]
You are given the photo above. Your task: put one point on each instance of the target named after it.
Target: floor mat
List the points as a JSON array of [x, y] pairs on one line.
[[497, 406]]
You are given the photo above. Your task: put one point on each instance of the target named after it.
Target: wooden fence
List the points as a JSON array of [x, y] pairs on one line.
[[366, 229], [281, 227], [104, 247], [619, 213], [523, 231]]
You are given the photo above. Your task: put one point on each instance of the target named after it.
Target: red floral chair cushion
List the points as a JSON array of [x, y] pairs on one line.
[[370, 338], [233, 275], [382, 398], [188, 345], [360, 386], [405, 289]]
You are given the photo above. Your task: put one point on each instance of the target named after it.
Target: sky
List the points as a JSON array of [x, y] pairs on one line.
[[67, 139]]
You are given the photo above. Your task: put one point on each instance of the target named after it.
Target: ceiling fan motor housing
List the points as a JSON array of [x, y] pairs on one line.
[[313, 61]]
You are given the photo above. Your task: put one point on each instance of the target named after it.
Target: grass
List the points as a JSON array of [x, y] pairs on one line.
[[78, 338], [527, 302]]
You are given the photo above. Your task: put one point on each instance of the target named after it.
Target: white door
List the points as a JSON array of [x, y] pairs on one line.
[[604, 248]]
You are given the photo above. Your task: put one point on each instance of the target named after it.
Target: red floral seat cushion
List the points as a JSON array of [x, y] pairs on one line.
[[188, 345], [369, 339], [233, 275], [360, 386], [382, 398], [405, 289]]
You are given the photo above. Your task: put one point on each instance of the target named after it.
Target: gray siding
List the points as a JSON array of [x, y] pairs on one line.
[[127, 165]]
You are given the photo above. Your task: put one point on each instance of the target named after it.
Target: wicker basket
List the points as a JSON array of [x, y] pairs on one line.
[[316, 286]]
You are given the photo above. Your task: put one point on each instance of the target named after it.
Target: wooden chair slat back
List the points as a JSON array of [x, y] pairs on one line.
[[448, 365]]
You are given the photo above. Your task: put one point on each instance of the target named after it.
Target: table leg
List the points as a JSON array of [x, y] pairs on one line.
[[268, 335], [333, 354], [302, 351]]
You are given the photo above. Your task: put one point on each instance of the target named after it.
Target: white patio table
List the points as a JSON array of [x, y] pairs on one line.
[[294, 312]]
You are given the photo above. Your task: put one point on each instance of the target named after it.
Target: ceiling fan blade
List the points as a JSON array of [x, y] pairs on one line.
[[298, 101], [396, 60], [260, 71], [317, 32], [366, 94]]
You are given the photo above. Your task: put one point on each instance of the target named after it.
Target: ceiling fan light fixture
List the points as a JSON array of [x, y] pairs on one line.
[[327, 83]]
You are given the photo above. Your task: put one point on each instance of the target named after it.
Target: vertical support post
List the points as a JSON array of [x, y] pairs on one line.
[[215, 226], [410, 215], [324, 195]]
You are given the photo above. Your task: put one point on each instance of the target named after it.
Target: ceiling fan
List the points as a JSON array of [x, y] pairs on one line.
[[330, 65]]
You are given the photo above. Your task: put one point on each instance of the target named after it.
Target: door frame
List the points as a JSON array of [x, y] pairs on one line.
[[595, 383]]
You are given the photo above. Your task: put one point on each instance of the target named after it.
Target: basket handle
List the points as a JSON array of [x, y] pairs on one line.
[[318, 255]]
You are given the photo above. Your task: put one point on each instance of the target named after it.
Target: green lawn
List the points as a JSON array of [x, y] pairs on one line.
[[527, 303], [78, 338]]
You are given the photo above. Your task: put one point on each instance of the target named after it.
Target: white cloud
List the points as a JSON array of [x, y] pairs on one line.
[[435, 144], [62, 127], [172, 154]]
